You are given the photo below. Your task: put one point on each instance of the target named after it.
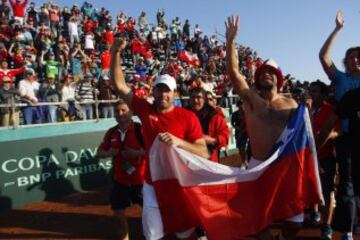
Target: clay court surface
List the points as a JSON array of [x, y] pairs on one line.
[[83, 216]]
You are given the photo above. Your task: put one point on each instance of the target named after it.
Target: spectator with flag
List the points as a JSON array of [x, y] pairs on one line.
[[165, 120], [231, 203]]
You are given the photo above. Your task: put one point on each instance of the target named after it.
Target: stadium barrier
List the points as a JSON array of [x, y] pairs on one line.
[[49, 161]]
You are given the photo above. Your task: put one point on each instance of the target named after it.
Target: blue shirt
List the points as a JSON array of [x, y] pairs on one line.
[[344, 83], [76, 66]]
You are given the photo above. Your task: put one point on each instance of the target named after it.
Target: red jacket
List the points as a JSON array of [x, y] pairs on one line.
[[219, 130], [18, 8], [11, 73]]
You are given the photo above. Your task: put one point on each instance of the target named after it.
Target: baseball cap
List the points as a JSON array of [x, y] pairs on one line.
[[30, 71], [106, 77], [88, 75], [167, 80], [275, 67]]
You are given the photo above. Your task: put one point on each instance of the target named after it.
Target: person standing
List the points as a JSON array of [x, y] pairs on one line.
[[124, 144], [263, 107], [344, 217], [166, 121], [29, 88], [214, 126], [9, 95]]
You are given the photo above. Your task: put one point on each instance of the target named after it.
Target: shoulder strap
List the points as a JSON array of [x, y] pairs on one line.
[[138, 134], [110, 133]]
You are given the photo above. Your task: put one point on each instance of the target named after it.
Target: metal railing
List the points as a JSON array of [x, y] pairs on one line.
[[13, 106]]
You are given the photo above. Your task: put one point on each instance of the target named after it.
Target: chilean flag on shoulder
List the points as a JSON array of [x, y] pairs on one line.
[[228, 202]]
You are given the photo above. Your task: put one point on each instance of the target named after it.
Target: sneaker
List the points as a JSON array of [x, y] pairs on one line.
[[314, 218], [326, 232], [357, 228], [347, 237]]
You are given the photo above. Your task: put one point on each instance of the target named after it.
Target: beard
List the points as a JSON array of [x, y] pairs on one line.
[[265, 87]]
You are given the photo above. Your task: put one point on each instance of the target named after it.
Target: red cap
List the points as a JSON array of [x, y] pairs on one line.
[[274, 66]]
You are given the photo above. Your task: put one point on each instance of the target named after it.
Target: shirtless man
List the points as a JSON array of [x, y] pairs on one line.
[[266, 111]]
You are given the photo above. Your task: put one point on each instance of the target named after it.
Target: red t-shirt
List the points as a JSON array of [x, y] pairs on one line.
[[108, 37], [180, 122], [89, 26], [318, 119], [112, 140], [105, 60]]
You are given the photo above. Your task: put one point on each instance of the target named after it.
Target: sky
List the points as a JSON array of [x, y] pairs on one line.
[[291, 32]]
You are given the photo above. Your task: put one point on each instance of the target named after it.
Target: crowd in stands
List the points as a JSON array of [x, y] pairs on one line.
[[60, 54]]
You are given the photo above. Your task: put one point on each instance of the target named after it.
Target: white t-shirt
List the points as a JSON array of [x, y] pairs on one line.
[[89, 41], [73, 28], [29, 88], [68, 92]]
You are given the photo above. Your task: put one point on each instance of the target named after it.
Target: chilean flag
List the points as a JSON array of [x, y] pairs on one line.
[[191, 59], [228, 202]]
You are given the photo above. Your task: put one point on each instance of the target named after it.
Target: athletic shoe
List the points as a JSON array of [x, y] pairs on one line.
[[347, 237], [314, 218], [357, 228], [326, 232]]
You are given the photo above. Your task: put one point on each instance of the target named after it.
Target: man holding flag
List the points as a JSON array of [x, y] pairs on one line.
[[230, 203], [175, 126], [266, 111]]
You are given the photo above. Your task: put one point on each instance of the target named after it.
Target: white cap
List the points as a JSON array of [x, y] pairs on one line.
[[167, 80]]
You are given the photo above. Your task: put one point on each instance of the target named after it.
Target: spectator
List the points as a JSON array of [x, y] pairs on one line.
[[77, 57], [124, 143], [54, 15], [166, 122], [32, 15], [10, 73], [241, 137], [29, 88], [9, 95], [44, 16], [214, 126], [85, 92], [106, 92], [107, 37], [105, 58], [68, 111], [344, 217], [186, 29], [50, 92], [4, 9], [73, 31], [18, 8], [51, 65]]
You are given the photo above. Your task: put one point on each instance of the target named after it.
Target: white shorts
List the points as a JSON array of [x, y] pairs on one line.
[[151, 219], [20, 20], [297, 218]]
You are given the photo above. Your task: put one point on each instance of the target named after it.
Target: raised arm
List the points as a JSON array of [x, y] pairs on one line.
[[116, 73], [324, 55], [238, 80]]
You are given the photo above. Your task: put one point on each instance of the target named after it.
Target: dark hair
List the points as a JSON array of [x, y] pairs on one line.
[[119, 102], [347, 54], [324, 89], [197, 90]]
